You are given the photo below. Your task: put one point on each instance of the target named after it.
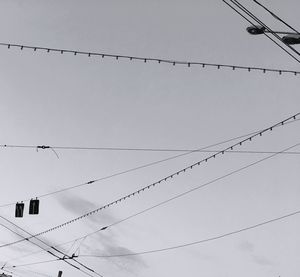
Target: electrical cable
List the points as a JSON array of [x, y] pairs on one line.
[[263, 223], [125, 149], [199, 241], [269, 37], [275, 16], [52, 254], [202, 149], [190, 167], [185, 193], [127, 170], [131, 169], [147, 59], [263, 33], [230, 149], [243, 8], [169, 200]]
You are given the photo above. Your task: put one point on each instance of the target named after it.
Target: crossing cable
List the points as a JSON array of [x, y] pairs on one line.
[[243, 8], [269, 37], [138, 167], [231, 233], [148, 59], [166, 201], [222, 152], [43, 249], [214, 238], [144, 165], [276, 16], [131, 169], [134, 168], [52, 248]]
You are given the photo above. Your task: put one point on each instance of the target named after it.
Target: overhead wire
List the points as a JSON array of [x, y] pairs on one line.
[[52, 248], [275, 16], [167, 200], [263, 223], [136, 149], [213, 238], [16, 233], [260, 133], [244, 9], [188, 152], [147, 59], [91, 182], [268, 36]]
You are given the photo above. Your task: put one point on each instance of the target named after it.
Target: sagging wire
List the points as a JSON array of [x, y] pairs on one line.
[[148, 59]]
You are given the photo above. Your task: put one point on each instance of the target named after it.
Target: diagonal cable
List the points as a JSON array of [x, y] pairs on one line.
[[220, 153]]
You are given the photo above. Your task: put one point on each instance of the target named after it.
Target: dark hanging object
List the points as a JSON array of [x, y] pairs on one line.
[[59, 273], [256, 30], [19, 209], [34, 206], [291, 39]]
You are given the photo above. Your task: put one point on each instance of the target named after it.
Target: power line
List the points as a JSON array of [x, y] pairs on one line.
[[52, 248], [260, 22], [163, 179], [245, 10], [189, 243], [52, 254], [127, 170], [138, 167], [148, 59], [188, 152], [199, 241], [168, 200], [250, 138], [275, 16], [135, 149]]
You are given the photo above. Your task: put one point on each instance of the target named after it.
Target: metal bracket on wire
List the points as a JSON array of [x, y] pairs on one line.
[[46, 147]]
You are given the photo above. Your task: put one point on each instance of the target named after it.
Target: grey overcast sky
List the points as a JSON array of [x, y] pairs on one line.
[[67, 100]]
